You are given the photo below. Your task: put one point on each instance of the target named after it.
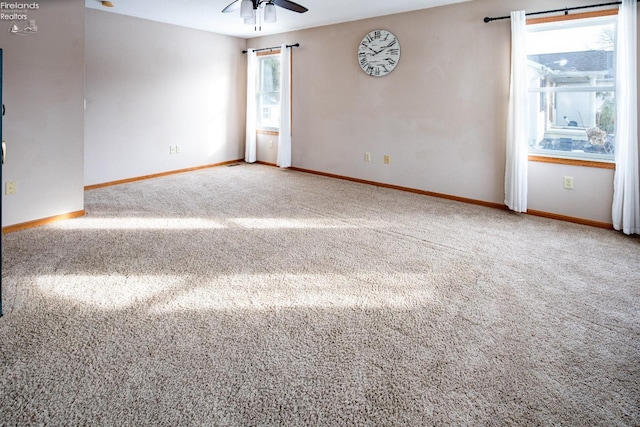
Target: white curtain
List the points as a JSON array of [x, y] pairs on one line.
[[250, 141], [515, 180], [626, 193], [284, 138]]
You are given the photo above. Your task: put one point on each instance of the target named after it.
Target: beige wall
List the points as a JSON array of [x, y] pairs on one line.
[[150, 86], [441, 115], [547, 192], [267, 148], [43, 87]]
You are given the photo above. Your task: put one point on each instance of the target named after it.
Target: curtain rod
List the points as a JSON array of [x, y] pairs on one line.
[[565, 10], [271, 48]]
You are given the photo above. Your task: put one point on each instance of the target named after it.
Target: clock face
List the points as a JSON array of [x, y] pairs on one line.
[[379, 53]]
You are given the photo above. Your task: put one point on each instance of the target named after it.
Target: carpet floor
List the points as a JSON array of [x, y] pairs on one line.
[[254, 296]]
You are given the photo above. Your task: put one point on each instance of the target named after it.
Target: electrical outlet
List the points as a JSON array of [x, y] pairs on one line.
[[10, 188], [270, 143], [367, 157], [387, 159], [568, 182]]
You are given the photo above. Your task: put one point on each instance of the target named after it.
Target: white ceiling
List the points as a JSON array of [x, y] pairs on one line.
[[207, 14]]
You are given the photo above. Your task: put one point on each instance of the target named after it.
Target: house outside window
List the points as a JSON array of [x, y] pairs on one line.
[[571, 68], [268, 93]]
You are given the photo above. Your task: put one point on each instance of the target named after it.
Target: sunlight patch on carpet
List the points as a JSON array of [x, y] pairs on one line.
[[111, 292], [276, 223], [140, 223], [268, 292]]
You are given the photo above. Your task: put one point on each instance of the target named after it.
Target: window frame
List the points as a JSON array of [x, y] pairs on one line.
[[270, 130], [560, 158]]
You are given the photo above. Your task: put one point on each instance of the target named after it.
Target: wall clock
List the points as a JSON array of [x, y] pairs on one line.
[[379, 53]]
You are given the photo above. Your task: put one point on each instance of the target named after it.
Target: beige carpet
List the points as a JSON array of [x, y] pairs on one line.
[[253, 296]]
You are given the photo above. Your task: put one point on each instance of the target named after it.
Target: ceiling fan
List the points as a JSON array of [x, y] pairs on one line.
[[249, 9]]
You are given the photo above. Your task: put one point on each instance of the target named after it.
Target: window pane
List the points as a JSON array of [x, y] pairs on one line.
[[270, 75], [572, 88], [570, 127], [269, 109], [268, 96]]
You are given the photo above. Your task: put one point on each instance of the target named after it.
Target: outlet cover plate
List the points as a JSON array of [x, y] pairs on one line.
[[10, 188], [568, 182]]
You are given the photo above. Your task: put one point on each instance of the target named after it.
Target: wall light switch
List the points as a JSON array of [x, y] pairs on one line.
[[387, 159]]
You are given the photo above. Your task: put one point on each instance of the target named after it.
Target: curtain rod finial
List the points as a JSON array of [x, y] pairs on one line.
[[487, 19]]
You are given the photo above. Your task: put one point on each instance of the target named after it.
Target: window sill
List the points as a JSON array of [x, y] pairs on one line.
[[573, 162]]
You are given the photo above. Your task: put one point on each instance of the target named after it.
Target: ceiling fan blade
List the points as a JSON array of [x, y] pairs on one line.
[[286, 4], [231, 7]]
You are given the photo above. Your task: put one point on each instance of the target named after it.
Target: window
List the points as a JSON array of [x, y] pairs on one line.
[[571, 69], [268, 93]]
